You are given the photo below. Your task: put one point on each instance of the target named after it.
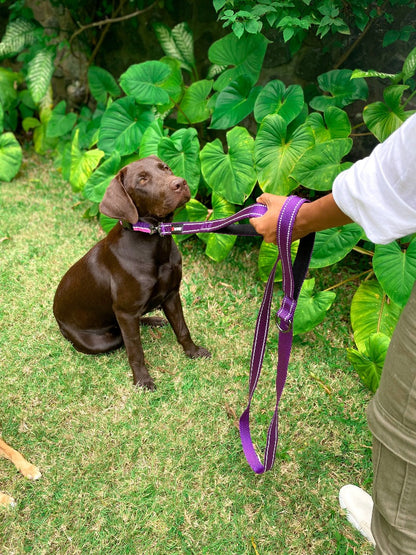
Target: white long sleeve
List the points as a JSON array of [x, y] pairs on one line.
[[379, 192]]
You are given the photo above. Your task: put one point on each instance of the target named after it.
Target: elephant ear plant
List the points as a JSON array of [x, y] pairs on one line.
[[230, 138]]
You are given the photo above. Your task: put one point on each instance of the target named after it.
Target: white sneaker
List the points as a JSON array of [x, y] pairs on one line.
[[359, 507]]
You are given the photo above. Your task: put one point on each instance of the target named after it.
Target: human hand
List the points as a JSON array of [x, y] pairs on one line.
[[266, 225]]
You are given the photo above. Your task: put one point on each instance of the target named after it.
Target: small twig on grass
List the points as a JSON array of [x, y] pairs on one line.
[[232, 415]]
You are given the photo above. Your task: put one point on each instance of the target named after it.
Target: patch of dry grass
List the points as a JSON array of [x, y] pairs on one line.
[[128, 471]]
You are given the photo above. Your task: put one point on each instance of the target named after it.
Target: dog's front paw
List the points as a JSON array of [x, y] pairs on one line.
[[30, 471], [198, 352], [146, 383]]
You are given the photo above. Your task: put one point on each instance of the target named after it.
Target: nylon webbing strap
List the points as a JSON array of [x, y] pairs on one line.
[[293, 278]]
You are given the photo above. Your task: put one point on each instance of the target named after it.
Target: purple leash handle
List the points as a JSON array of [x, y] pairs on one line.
[[292, 282]]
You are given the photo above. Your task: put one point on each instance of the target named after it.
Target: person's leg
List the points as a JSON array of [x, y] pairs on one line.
[[394, 492], [392, 420]]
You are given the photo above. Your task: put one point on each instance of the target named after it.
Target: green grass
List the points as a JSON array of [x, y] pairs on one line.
[[129, 471]]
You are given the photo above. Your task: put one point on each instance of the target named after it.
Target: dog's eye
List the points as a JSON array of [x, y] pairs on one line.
[[141, 180]]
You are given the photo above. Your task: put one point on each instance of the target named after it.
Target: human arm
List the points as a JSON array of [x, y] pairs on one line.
[[378, 192]]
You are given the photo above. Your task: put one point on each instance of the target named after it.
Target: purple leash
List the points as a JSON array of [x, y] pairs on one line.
[[224, 225], [293, 278], [292, 282]]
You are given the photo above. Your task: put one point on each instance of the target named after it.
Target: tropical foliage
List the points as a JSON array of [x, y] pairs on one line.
[[199, 127]]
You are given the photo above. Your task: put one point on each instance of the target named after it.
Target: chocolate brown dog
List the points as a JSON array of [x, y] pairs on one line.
[[100, 301]]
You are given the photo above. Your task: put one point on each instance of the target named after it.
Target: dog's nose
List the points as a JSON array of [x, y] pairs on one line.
[[178, 184]]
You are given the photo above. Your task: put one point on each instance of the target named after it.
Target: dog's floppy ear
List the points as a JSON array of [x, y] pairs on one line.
[[117, 202]]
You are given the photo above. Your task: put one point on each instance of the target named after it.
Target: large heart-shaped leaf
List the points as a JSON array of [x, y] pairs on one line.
[[173, 85], [335, 124], [60, 122], [372, 312], [396, 270], [341, 88], [332, 245], [145, 82], [10, 156], [369, 362], [245, 54], [181, 154], [234, 103], [382, 118], [230, 175], [219, 245], [274, 98], [102, 84], [122, 126], [319, 165], [194, 105], [276, 153], [311, 308], [98, 182], [151, 139], [83, 164]]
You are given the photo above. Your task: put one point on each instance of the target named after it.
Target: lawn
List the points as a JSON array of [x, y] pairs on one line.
[[130, 471]]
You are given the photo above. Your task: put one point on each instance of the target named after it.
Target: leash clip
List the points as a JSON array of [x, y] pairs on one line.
[[153, 229], [289, 324]]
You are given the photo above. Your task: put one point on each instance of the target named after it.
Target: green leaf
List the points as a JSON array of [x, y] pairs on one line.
[[334, 124], [409, 66], [19, 34], [194, 105], [234, 103], [341, 88], [276, 99], [60, 123], [311, 308], [267, 258], [369, 362], [82, 164], [98, 182], [145, 82], [372, 312], [41, 142], [177, 43], [245, 55], [383, 118], [173, 85], [332, 245], [276, 153], [358, 73], [396, 270], [39, 73], [318, 167], [122, 126], [219, 245], [8, 87], [151, 139], [107, 223], [10, 156], [181, 154], [102, 84], [230, 175]]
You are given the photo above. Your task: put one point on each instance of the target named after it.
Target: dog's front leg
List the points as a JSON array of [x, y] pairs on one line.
[[172, 308], [130, 329], [26, 468]]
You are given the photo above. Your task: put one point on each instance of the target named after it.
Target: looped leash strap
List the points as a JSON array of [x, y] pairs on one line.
[[293, 278]]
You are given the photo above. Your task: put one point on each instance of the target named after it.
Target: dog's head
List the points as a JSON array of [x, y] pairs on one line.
[[143, 188]]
